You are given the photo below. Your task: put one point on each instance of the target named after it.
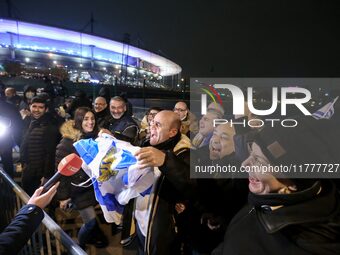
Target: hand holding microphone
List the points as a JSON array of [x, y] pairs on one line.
[[68, 166], [42, 200]]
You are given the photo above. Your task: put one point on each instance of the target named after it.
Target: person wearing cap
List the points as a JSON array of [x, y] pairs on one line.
[[285, 214]]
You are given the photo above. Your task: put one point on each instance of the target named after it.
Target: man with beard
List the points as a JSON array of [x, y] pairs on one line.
[[101, 110], [118, 123], [37, 151], [168, 152]]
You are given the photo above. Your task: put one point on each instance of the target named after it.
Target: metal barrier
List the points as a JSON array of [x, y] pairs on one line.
[[41, 242]]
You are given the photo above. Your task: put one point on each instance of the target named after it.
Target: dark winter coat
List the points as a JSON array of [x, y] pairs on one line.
[[173, 186], [218, 199], [306, 222], [37, 151], [82, 197], [22, 227], [124, 128], [12, 119], [102, 116]]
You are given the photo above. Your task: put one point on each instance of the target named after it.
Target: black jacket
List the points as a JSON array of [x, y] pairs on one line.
[[102, 116], [173, 186], [308, 223], [37, 151], [82, 197], [11, 113], [218, 199], [22, 227], [124, 128]]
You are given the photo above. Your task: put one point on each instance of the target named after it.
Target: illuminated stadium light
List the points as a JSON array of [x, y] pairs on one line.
[[45, 38]]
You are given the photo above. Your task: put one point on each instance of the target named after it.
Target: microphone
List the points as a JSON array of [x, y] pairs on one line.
[[68, 166]]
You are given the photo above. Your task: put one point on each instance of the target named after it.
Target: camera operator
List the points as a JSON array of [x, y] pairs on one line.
[[10, 131]]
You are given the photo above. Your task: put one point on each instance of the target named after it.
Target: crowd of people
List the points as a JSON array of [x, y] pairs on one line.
[[264, 213]]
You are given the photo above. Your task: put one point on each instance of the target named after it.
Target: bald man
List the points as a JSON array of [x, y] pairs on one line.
[[168, 153], [12, 97], [101, 110], [188, 119]]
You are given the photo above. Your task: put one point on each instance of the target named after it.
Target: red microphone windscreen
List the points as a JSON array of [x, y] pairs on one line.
[[70, 165]]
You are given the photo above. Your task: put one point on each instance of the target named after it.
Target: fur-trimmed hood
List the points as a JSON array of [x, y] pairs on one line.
[[67, 130], [184, 143]]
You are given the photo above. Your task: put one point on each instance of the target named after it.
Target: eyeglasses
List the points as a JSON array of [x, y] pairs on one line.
[[179, 110], [153, 114]]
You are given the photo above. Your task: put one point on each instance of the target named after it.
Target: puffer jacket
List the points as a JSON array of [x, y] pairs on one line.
[[37, 150], [82, 197]]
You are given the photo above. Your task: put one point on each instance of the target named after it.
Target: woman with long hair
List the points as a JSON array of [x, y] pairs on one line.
[[72, 189]]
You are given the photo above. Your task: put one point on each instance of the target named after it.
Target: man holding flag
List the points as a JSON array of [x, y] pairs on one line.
[[168, 153]]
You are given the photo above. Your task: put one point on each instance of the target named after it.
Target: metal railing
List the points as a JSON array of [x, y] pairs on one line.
[[49, 238]]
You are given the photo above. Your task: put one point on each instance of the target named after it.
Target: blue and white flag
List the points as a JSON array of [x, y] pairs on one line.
[[325, 112], [114, 172]]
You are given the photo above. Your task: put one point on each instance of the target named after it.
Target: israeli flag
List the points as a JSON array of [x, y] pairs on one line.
[[325, 112], [114, 171]]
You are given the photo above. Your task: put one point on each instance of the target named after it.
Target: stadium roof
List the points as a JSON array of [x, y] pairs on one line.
[[167, 67]]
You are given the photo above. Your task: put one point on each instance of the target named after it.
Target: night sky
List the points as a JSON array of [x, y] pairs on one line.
[[211, 38]]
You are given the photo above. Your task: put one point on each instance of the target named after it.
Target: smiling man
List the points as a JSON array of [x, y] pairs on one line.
[[101, 110], [119, 123], [37, 150]]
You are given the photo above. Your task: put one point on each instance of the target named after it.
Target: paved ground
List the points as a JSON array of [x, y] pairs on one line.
[[71, 222]]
